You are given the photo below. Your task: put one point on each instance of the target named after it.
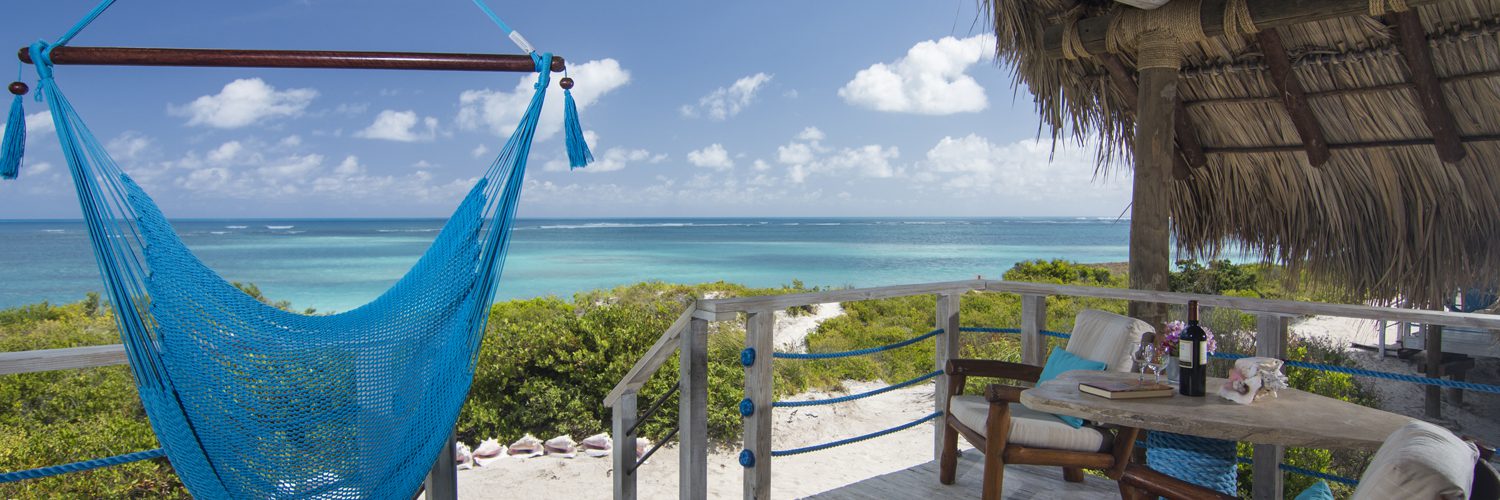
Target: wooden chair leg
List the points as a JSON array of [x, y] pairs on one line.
[[1128, 492], [948, 461], [997, 433], [1073, 474]]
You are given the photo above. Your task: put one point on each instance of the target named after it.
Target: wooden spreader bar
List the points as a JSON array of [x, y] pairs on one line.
[[237, 58]]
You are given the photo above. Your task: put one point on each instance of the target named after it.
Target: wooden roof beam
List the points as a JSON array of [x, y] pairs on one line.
[[1233, 150], [1190, 151], [1435, 111], [1293, 98], [1267, 14]]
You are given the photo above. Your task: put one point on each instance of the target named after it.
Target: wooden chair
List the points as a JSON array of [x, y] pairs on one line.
[[1009, 433]]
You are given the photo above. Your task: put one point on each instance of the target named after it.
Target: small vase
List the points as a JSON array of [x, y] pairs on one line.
[[1172, 369]]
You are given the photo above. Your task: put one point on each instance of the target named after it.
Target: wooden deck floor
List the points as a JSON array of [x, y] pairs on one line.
[[1022, 482]]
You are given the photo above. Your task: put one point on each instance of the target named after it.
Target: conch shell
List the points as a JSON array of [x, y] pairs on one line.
[[597, 445], [561, 446], [526, 447], [488, 451], [1252, 379]]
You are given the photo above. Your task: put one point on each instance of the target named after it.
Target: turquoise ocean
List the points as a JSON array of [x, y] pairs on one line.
[[336, 265]]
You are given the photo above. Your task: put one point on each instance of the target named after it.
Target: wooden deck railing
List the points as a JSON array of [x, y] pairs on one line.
[[689, 336]]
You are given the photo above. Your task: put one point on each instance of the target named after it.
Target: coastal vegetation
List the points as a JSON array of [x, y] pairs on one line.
[[546, 363]]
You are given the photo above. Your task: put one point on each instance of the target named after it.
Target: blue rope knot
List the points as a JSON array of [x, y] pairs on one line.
[[747, 458], [747, 407], [41, 57], [543, 68], [747, 356]]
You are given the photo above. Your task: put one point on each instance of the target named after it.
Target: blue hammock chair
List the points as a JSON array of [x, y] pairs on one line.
[[250, 401]]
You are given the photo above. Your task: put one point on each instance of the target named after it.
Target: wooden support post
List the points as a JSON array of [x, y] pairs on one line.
[[1434, 362], [760, 334], [1191, 151], [1271, 342], [1293, 99], [1150, 245], [946, 349], [1383, 326], [1435, 111], [692, 413], [624, 415], [442, 480], [1033, 321]]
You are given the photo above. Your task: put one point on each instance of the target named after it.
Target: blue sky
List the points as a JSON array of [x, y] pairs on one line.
[[878, 108]]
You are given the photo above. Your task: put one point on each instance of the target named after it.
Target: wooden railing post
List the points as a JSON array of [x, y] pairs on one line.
[[1270, 341], [692, 413], [1033, 321], [760, 334], [624, 417], [947, 348], [1432, 348], [442, 480]]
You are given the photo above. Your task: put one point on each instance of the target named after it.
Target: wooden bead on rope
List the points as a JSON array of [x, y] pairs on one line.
[[566, 83], [18, 88]]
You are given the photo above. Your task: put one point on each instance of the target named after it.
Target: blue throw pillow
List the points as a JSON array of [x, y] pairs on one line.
[[1318, 491], [1060, 361]]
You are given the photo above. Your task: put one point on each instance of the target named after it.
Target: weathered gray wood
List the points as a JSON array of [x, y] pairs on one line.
[[1434, 361], [947, 348], [1293, 418], [1266, 14], [623, 416], [1150, 243], [652, 360], [760, 333], [442, 480], [1033, 321], [61, 359], [747, 304], [1270, 341], [1022, 482], [1460, 340], [692, 413]]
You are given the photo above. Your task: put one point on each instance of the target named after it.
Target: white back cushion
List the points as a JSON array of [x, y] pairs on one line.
[[1419, 460], [1108, 338]]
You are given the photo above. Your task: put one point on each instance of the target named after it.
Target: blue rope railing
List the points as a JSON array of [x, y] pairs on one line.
[[852, 397], [855, 439], [1361, 372], [857, 352], [1304, 472], [81, 466], [985, 329]]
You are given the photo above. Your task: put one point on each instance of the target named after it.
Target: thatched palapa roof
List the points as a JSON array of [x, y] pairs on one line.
[[1347, 168]]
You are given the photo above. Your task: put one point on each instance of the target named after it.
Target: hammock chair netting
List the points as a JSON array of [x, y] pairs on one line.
[[250, 401]]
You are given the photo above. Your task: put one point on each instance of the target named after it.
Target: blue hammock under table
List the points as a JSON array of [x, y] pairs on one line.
[[250, 401]]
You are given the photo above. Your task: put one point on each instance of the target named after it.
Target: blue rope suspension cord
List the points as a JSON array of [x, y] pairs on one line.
[[856, 439], [857, 352], [54, 470], [852, 397], [1305, 472]]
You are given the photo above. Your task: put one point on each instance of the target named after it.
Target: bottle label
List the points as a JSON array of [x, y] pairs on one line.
[[1185, 351]]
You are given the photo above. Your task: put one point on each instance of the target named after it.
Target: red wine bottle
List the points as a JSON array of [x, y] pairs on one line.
[[1192, 356]]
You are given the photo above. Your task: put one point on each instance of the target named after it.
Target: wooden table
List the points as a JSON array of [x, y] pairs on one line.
[[1294, 418]]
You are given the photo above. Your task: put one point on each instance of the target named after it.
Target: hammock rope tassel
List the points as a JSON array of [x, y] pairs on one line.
[[578, 147], [14, 145]]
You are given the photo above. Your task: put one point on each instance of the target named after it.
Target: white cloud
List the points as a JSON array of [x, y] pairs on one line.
[[350, 166], [929, 80], [400, 126], [226, 152], [725, 102], [38, 125], [244, 102], [479, 151], [128, 146], [38, 168], [290, 141], [761, 165], [810, 157], [1025, 169], [714, 156], [500, 111]]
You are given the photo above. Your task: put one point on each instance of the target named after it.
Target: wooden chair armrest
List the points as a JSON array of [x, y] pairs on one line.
[[1145, 478], [994, 369], [1001, 393]]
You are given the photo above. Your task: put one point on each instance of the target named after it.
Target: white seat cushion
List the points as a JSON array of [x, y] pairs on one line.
[[1419, 460], [1107, 337], [1029, 427]]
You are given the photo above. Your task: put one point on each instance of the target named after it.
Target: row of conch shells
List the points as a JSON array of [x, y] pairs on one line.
[[491, 451]]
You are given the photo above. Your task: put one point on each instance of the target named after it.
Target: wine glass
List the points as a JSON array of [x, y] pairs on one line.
[[1145, 358], [1156, 365]]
